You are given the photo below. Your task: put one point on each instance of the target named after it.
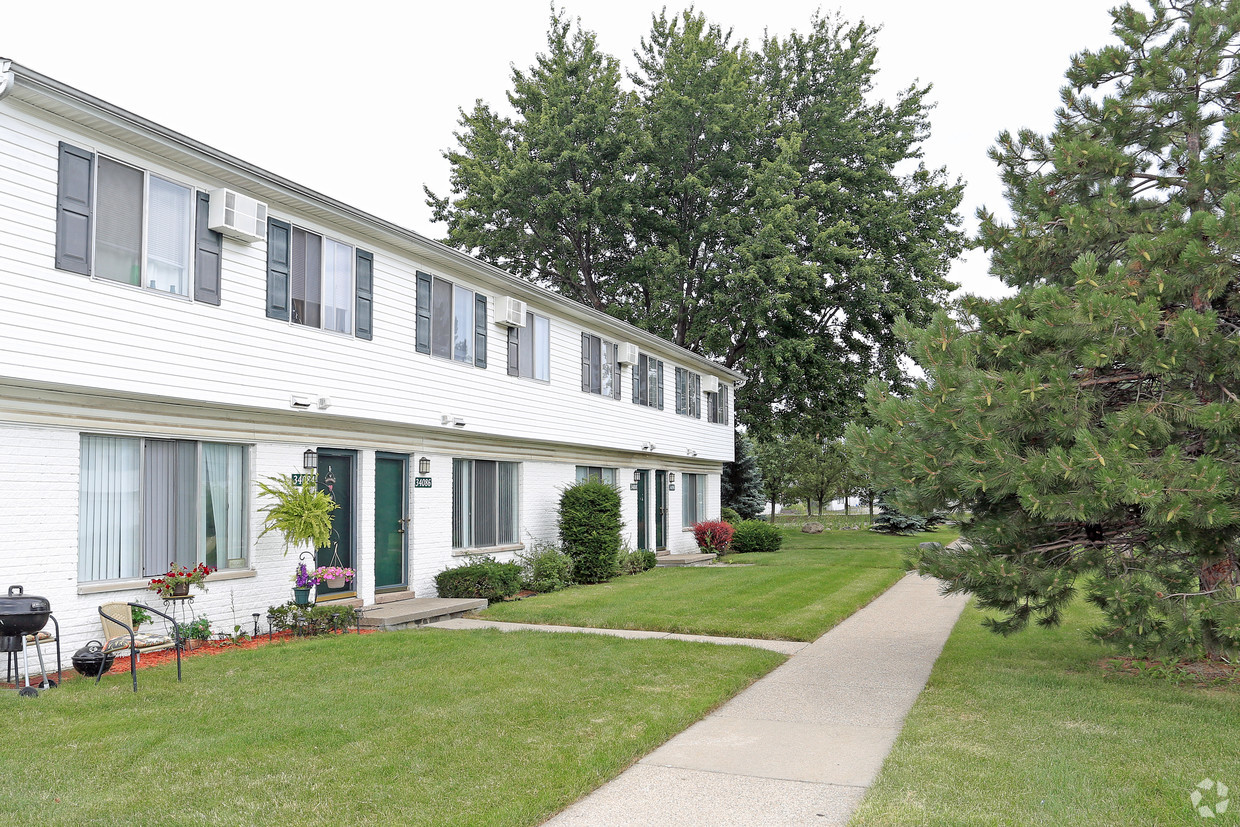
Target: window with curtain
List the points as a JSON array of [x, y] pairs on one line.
[[648, 381], [594, 472], [600, 366], [146, 503], [152, 252], [338, 294], [485, 500], [692, 499], [717, 407], [688, 393], [451, 321], [529, 349]]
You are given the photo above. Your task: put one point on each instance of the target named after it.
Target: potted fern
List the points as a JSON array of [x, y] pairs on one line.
[[302, 514]]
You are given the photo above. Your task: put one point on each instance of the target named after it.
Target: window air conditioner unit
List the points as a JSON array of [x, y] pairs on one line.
[[710, 384], [511, 313], [628, 354], [237, 216]]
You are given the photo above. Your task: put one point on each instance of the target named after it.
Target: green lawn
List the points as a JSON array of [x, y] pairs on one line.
[[1030, 731], [411, 728], [794, 594]]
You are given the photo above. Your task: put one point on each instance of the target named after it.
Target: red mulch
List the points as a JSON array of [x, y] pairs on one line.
[[1199, 673], [149, 659]]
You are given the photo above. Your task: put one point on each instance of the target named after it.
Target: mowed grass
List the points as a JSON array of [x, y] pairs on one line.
[[1029, 730], [797, 593], [410, 728]]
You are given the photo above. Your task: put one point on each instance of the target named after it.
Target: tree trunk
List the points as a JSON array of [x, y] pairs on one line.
[[1220, 576], [772, 511], [845, 505], [871, 505]]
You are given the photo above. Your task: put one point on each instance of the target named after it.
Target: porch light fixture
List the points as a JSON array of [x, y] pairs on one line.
[[310, 460], [671, 476], [424, 466], [637, 476]]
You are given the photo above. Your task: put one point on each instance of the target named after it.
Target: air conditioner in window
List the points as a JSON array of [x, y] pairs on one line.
[[237, 216], [710, 384], [628, 354], [511, 312]]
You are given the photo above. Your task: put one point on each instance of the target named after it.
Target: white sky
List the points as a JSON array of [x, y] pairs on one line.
[[357, 100]]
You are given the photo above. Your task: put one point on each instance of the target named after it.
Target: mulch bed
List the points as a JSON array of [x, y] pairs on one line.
[[1198, 673], [149, 659]]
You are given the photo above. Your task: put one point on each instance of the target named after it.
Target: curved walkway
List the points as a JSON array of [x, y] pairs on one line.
[[802, 744]]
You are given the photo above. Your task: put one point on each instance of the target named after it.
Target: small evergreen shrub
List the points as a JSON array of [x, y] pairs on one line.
[[311, 620], [589, 524], [636, 562], [713, 536], [728, 515], [755, 535], [485, 577], [544, 568]]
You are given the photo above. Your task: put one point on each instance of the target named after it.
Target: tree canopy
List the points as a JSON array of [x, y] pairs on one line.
[[752, 204], [1089, 423]]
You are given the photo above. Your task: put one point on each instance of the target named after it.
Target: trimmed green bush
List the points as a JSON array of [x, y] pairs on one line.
[[728, 515], [590, 526], [544, 568], [485, 577], [636, 562], [755, 535]]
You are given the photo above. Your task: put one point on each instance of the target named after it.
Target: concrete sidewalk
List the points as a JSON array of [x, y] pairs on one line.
[[801, 745]]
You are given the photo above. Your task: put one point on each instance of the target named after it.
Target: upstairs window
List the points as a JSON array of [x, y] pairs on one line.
[[120, 223], [529, 348], [717, 407], [600, 366], [688, 393], [317, 281], [451, 321], [648, 381]]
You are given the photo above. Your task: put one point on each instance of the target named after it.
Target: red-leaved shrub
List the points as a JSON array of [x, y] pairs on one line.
[[713, 536]]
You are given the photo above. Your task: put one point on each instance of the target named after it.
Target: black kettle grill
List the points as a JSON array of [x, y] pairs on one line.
[[20, 615]]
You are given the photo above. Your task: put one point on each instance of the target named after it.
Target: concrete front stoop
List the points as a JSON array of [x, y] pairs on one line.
[[685, 560], [403, 613]]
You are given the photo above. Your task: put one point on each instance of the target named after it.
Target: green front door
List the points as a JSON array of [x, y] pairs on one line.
[[336, 478], [660, 510], [391, 524], [643, 531]]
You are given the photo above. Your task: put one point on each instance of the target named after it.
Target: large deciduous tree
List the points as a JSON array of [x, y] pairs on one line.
[[753, 205], [1091, 422]]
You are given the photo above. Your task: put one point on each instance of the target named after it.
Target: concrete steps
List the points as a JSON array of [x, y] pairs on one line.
[[406, 612], [686, 560]]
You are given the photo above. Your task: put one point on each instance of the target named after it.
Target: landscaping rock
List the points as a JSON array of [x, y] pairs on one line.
[[929, 546], [813, 528]]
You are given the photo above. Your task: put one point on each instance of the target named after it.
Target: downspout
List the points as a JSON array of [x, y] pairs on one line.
[[7, 78]]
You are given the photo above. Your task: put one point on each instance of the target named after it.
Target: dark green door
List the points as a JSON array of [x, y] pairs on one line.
[[643, 535], [336, 478], [391, 471], [660, 510]]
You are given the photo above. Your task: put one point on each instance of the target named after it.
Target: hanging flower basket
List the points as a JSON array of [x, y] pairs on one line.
[[334, 577]]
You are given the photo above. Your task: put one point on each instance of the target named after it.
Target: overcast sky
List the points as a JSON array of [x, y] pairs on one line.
[[358, 100]]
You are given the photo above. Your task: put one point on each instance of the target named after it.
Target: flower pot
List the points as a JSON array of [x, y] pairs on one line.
[[180, 589], [301, 596], [336, 583]]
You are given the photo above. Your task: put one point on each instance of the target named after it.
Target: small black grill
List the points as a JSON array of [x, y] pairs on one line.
[[20, 615]]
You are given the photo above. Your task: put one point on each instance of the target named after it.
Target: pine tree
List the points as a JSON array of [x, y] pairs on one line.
[[741, 484], [1090, 422]]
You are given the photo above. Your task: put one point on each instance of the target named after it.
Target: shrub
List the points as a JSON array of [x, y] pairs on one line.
[[636, 562], [544, 568], [311, 620], [485, 577], [589, 524], [197, 629], [729, 516], [755, 535], [713, 536]]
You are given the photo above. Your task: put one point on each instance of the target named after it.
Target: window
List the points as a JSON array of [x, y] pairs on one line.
[[688, 393], [317, 281], [717, 407], [146, 503], [484, 503], [600, 366], [451, 321], [648, 381], [692, 499], [594, 472], [529, 349]]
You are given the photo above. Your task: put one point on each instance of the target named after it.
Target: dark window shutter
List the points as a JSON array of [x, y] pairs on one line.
[[365, 273], [615, 361], [208, 255], [638, 372], [480, 330], [422, 335], [585, 362], [278, 247], [514, 343], [74, 188]]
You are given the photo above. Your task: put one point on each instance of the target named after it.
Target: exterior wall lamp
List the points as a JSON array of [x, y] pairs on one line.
[[424, 466], [310, 460], [671, 476], [637, 476]]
